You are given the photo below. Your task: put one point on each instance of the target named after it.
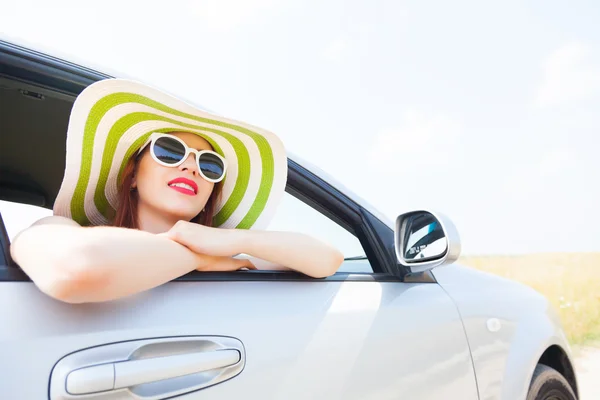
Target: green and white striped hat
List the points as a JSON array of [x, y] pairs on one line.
[[111, 119]]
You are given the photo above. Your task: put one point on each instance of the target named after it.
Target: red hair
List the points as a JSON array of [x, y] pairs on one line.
[[126, 214]]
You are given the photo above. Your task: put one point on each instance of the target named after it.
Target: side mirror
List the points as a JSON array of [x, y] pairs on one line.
[[425, 240]]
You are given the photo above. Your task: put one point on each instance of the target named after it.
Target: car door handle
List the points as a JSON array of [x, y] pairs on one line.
[[124, 374], [147, 369]]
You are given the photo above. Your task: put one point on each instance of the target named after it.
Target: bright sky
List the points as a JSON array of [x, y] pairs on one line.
[[486, 111]]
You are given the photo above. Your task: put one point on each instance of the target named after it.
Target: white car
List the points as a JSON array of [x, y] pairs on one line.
[[399, 320]]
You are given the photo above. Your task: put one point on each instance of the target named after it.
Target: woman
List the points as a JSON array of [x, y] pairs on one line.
[[155, 188]]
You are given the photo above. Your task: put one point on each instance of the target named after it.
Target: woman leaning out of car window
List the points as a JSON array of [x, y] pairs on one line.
[[149, 196]]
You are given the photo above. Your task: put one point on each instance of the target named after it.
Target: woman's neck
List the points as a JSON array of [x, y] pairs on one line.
[[154, 222]]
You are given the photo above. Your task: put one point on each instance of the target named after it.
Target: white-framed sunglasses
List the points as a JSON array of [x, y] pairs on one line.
[[171, 151]]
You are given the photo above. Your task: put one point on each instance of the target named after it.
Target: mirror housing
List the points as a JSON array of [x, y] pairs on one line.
[[425, 240]]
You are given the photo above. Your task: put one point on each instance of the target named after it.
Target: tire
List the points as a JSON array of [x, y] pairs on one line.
[[548, 384]]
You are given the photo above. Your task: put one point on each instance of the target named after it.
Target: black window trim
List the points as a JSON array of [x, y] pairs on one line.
[[376, 238], [32, 67]]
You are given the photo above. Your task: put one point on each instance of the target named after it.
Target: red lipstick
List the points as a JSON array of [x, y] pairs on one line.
[[184, 190]]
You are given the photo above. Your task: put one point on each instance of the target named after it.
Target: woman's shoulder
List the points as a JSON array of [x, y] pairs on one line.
[[50, 220], [55, 220]]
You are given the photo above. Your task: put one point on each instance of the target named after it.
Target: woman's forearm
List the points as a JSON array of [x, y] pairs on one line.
[[128, 261], [296, 251], [100, 263]]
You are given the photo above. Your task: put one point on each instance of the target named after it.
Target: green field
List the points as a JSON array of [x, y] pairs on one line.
[[571, 281]]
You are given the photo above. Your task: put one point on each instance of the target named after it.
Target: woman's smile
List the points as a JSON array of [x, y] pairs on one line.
[[184, 185]]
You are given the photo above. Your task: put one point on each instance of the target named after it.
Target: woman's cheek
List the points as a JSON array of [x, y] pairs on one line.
[[205, 191], [150, 184]]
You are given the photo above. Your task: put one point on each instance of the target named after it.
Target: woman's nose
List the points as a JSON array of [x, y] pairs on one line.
[[190, 164]]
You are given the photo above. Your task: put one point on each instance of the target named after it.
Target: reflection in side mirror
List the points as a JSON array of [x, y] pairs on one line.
[[425, 240]]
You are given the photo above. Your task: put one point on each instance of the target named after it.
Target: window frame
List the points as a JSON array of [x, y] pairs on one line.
[[376, 238]]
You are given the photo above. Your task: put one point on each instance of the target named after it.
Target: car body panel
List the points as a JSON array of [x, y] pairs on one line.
[[509, 326], [318, 340]]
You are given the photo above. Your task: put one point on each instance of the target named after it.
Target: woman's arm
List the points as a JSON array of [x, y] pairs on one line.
[[295, 251], [76, 264]]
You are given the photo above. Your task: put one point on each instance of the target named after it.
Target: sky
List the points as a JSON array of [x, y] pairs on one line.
[[485, 111]]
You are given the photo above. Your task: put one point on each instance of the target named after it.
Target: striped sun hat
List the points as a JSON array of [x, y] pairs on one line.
[[111, 119]]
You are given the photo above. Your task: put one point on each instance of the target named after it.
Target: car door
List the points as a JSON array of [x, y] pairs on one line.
[[366, 332]]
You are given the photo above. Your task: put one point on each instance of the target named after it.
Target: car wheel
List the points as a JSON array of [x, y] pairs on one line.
[[548, 384]]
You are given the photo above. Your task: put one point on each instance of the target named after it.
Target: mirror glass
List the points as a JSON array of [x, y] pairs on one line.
[[423, 237]]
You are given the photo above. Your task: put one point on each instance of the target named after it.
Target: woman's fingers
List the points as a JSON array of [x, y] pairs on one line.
[[248, 265], [222, 264]]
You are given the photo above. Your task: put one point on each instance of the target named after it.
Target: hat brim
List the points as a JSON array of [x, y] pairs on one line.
[[111, 119]]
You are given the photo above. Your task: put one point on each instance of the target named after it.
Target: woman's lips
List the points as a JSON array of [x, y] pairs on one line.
[[183, 190], [190, 188]]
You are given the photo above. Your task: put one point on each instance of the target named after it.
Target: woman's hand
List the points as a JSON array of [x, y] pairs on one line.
[[206, 240], [225, 264], [215, 245]]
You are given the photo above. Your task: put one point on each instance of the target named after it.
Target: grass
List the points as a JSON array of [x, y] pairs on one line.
[[571, 281]]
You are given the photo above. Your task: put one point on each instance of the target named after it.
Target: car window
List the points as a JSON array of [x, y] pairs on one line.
[[293, 215]]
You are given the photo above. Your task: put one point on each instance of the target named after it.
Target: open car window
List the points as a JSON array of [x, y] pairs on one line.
[[293, 215]]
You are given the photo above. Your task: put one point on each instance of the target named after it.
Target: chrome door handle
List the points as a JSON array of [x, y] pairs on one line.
[[149, 369], [125, 374]]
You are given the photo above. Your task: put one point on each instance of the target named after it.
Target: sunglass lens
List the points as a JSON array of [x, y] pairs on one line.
[[211, 166], [168, 150]]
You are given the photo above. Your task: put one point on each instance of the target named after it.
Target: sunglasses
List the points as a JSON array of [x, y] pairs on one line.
[[171, 151]]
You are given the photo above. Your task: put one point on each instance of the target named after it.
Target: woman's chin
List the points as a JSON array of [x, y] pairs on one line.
[[182, 213], [185, 216]]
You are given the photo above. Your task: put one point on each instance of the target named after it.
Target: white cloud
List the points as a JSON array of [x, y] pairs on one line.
[[335, 50], [550, 167], [569, 74], [555, 161], [225, 15], [418, 140]]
